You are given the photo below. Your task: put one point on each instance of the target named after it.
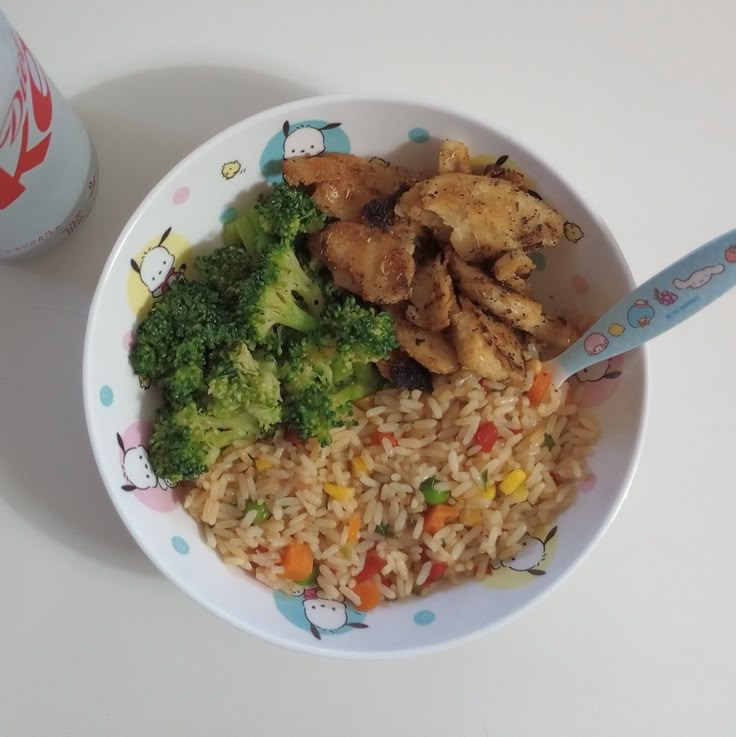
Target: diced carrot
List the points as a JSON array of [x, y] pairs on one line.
[[539, 388], [436, 517], [373, 564], [378, 437], [370, 596], [297, 560], [353, 528]]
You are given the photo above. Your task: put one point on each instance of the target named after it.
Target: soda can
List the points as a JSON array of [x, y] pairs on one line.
[[48, 165]]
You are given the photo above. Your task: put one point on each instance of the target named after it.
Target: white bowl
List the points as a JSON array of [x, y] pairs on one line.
[[192, 201]]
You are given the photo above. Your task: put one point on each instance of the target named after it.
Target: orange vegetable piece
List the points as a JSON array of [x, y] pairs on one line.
[[378, 437], [297, 560], [370, 596], [353, 528], [539, 388], [436, 517]]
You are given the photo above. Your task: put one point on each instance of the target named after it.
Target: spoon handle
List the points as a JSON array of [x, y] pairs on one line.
[[665, 300]]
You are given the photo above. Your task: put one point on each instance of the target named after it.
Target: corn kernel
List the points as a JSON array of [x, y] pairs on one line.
[[489, 492], [535, 365], [339, 492], [262, 464], [521, 494], [471, 517], [512, 481], [358, 465]]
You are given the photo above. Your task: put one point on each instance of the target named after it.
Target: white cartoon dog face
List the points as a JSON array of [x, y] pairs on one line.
[[138, 470], [327, 615], [530, 555], [155, 267], [699, 278], [305, 140]]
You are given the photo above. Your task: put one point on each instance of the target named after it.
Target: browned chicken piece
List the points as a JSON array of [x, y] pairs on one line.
[[513, 268], [486, 346], [433, 350], [555, 333], [403, 371], [344, 183], [518, 310], [375, 264], [454, 156], [432, 295], [486, 216]]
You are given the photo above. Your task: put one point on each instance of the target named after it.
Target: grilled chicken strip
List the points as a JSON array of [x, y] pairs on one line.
[[375, 264], [518, 310], [344, 183], [513, 268], [454, 156], [432, 296], [433, 350], [486, 345], [487, 216]]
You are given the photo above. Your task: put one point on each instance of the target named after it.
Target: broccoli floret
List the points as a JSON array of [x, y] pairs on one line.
[[280, 216], [319, 407], [186, 442], [326, 371], [362, 334], [288, 212], [252, 233], [239, 380], [225, 268], [274, 294], [172, 342]]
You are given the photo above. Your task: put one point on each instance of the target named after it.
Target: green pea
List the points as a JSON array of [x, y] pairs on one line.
[[262, 513], [432, 495]]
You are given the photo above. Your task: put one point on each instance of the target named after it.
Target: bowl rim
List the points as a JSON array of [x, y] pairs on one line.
[[180, 580]]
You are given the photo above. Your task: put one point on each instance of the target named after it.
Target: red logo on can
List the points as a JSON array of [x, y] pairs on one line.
[[25, 133]]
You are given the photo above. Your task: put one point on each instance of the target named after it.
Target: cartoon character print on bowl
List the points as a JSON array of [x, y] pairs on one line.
[[573, 232], [318, 616], [530, 561], [305, 138], [231, 168], [594, 385], [138, 475], [162, 261]]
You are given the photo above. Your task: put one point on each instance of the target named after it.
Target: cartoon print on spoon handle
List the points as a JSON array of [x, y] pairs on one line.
[[665, 300]]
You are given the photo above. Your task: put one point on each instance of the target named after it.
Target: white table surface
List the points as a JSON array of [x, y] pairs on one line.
[[635, 102]]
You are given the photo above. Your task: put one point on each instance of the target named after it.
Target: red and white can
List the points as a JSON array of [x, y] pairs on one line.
[[48, 165]]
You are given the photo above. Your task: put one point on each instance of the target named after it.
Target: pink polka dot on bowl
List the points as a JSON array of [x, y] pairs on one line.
[[180, 196], [580, 284]]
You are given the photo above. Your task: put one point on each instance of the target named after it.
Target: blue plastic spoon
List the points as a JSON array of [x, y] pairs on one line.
[[666, 300]]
